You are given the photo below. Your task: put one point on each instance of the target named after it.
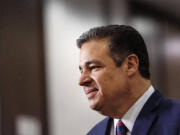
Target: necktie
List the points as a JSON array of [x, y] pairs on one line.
[[120, 128]]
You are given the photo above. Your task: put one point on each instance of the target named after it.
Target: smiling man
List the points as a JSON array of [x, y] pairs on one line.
[[115, 77]]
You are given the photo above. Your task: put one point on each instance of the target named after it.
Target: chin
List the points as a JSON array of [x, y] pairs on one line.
[[96, 106], [93, 106]]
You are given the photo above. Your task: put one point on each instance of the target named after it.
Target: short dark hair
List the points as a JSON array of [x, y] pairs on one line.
[[124, 40]]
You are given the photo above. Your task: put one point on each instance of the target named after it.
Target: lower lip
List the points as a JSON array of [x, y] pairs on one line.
[[91, 94]]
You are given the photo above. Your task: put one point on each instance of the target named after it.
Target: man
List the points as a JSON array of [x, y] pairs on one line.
[[115, 77]]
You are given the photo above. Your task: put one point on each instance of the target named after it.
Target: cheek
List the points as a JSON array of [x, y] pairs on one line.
[[104, 82], [111, 84]]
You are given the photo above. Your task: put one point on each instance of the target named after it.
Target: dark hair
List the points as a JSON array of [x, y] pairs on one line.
[[124, 40]]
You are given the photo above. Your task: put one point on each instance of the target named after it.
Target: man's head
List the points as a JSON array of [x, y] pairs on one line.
[[123, 40], [113, 59]]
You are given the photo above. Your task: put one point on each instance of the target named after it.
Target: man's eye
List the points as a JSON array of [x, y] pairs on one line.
[[81, 71], [94, 67]]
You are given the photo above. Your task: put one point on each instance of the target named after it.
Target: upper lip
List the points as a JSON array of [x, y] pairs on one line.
[[89, 90]]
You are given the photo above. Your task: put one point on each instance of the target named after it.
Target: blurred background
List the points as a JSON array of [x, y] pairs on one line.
[[39, 92]]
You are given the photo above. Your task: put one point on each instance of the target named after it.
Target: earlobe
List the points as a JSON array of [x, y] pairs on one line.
[[133, 64]]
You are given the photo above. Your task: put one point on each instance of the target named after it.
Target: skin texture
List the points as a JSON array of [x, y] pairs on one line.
[[110, 90]]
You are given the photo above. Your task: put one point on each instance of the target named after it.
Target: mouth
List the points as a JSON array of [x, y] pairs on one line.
[[90, 93]]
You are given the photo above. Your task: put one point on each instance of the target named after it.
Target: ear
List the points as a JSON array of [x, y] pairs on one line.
[[133, 64]]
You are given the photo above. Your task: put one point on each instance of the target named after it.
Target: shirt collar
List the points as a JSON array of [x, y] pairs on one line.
[[130, 116]]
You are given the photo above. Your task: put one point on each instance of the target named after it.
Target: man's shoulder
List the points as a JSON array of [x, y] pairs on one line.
[[168, 115], [168, 110], [171, 106], [101, 128], [165, 105], [157, 114], [157, 99]]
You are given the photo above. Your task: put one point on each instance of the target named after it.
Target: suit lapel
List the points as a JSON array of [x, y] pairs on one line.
[[107, 129], [147, 115]]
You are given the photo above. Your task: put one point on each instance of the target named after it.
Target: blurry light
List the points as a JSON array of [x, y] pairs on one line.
[[27, 125], [172, 47], [146, 26]]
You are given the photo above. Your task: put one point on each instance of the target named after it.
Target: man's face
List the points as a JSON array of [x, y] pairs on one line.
[[104, 84]]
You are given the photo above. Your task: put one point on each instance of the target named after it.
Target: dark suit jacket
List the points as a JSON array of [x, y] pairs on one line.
[[159, 116]]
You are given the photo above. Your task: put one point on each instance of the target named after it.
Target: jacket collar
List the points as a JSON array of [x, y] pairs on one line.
[[147, 115]]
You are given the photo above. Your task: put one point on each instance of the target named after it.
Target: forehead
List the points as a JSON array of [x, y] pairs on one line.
[[95, 50]]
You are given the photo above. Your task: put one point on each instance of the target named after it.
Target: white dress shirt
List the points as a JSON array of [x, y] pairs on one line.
[[130, 116]]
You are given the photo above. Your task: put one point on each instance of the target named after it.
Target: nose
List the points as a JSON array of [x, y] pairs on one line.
[[85, 80]]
